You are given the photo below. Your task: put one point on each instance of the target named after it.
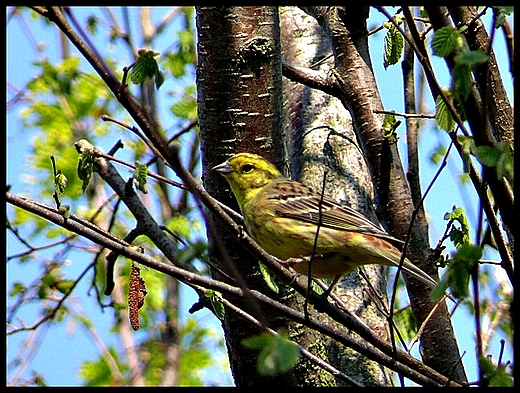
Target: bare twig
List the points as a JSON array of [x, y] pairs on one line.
[[411, 367], [406, 115], [309, 77], [477, 182], [50, 314]]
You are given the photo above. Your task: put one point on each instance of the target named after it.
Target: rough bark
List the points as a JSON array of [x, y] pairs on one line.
[[239, 103], [322, 139], [358, 92]]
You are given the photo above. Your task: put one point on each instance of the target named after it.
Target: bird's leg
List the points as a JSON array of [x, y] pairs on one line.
[[288, 263]]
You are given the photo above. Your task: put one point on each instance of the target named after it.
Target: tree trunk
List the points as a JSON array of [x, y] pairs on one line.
[[358, 92], [239, 102], [239, 98], [322, 139]]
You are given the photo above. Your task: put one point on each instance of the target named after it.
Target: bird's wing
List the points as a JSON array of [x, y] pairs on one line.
[[297, 201]]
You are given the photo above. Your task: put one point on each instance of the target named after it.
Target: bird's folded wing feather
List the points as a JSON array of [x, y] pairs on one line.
[[299, 202]]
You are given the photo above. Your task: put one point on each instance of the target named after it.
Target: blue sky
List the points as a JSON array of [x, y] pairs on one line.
[[55, 358]]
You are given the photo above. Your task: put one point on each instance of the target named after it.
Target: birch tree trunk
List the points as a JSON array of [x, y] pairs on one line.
[[239, 100], [239, 90], [323, 148], [354, 83]]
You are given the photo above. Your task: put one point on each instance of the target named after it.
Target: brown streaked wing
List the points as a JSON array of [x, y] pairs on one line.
[[299, 202]]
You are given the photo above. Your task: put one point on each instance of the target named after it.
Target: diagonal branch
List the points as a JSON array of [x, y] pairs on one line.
[[404, 363], [309, 77], [138, 113], [417, 44]]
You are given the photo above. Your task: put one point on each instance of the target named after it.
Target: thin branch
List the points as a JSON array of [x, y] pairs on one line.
[[309, 77], [508, 35], [31, 248], [50, 314], [138, 113], [134, 129], [55, 195], [423, 325], [478, 184], [81, 32], [409, 366], [478, 326], [425, 62], [406, 115], [487, 108], [167, 18], [184, 130], [171, 155], [233, 214]]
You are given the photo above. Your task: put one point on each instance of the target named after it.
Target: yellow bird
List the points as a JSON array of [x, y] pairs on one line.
[[283, 215]]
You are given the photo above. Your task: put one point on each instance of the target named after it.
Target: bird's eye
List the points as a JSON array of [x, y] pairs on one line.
[[247, 168]]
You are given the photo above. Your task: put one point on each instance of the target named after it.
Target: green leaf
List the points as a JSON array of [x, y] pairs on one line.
[[455, 214], [459, 269], [218, 306], [498, 156], [390, 124], [277, 353], [60, 182], [437, 155], [181, 225], [146, 67], [64, 210], [487, 155], [446, 40], [64, 286], [18, 287], [98, 372], [175, 65], [50, 278], [458, 236], [461, 82], [316, 288], [92, 24], [394, 44], [469, 253], [472, 58], [407, 323], [269, 278], [506, 162], [467, 144], [85, 167], [496, 375], [440, 290], [216, 301], [141, 177], [43, 291], [159, 78], [443, 118], [502, 13], [185, 108]]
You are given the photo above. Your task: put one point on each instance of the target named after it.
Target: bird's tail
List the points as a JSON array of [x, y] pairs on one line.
[[417, 273]]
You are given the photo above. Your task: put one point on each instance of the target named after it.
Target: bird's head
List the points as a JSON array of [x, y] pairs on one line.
[[247, 174]]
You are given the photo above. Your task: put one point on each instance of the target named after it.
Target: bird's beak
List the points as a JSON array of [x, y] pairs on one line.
[[223, 168]]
